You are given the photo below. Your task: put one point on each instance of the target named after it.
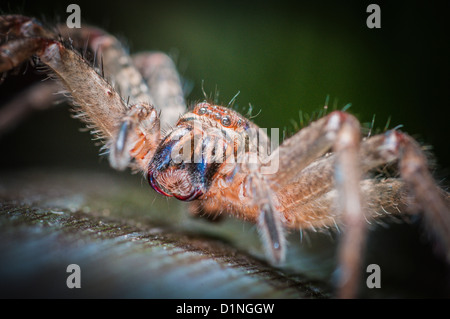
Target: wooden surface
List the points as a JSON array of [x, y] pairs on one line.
[[133, 243], [126, 242]]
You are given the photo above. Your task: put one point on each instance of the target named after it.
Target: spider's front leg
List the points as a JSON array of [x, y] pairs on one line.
[[148, 76], [128, 123], [132, 131]]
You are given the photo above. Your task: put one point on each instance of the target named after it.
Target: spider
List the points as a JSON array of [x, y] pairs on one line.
[[218, 159]]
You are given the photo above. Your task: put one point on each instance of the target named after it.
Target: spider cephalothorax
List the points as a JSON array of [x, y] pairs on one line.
[[220, 159], [205, 146]]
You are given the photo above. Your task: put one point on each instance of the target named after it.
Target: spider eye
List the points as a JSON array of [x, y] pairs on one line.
[[202, 111], [226, 121]]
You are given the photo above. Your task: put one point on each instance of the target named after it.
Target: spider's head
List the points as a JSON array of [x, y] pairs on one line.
[[189, 158]]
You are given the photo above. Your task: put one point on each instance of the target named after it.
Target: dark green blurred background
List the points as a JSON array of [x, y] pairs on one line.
[[282, 56]]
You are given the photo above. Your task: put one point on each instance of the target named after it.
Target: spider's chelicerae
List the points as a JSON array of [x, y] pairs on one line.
[[217, 158]]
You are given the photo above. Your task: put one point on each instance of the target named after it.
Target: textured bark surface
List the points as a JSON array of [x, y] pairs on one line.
[[132, 243], [127, 244]]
